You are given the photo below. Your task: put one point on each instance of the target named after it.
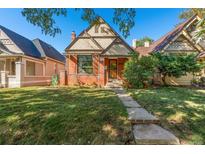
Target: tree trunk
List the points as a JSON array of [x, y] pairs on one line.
[[164, 80]]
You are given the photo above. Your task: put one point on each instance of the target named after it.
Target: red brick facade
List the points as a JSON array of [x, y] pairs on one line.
[[100, 74]]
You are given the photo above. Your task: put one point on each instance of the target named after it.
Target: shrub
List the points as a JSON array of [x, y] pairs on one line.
[[177, 65], [139, 71], [54, 80]]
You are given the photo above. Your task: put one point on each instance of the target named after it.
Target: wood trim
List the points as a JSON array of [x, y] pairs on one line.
[[188, 37], [94, 41], [109, 46]]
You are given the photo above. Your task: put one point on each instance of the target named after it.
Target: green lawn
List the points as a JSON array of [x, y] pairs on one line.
[[41, 115], [181, 110]]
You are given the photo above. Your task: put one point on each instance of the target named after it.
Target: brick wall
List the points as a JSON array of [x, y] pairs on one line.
[[73, 78]]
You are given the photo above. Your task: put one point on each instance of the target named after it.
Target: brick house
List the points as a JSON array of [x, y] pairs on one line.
[[97, 56], [25, 62]]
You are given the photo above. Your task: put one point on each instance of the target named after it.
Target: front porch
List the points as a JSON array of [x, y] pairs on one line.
[[9, 71], [114, 67]]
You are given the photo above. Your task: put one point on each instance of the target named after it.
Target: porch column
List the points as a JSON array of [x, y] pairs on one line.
[[3, 78], [19, 74]]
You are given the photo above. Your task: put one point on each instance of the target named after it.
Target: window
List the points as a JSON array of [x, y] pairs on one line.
[[30, 68], [85, 64]]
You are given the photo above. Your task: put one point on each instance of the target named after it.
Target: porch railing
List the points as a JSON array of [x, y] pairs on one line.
[[3, 78]]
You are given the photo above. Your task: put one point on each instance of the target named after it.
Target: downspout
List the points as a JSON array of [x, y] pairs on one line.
[[98, 70]]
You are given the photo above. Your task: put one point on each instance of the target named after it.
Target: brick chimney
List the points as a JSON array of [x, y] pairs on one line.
[[73, 36]]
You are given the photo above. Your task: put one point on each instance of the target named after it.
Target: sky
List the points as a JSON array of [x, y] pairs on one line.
[[148, 22]]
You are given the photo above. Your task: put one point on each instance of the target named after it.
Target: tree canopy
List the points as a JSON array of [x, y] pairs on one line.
[[141, 41], [199, 33], [45, 18]]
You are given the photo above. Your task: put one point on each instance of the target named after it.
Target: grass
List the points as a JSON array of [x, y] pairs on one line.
[[38, 115], [181, 110]]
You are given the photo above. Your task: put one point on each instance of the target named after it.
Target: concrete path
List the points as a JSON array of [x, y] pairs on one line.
[[144, 125]]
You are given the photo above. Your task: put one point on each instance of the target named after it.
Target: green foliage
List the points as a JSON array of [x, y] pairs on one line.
[[140, 42], [199, 33], [139, 70], [54, 80], [199, 82], [187, 13], [124, 18], [45, 18], [177, 65]]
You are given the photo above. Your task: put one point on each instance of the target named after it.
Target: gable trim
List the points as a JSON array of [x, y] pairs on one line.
[[12, 41], [177, 36]]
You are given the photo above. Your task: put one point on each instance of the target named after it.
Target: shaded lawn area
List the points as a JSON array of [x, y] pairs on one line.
[[181, 110], [38, 115]]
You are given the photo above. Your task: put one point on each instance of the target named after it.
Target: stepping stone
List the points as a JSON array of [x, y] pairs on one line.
[[131, 104], [141, 116], [153, 134], [128, 101]]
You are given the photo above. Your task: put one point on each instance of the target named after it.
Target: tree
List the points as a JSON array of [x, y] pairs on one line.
[[139, 70], [199, 33], [44, 18], [176, 65], [188, 13], [140, 42]]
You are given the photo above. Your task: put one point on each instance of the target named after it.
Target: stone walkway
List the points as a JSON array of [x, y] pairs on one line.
[[145, 128]]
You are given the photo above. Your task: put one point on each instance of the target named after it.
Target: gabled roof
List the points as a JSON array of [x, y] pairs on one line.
[[48, 50], [24, 44], [165, 40], [97, 37]]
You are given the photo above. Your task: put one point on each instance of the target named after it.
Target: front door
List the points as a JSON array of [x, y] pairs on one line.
[[113, 68]]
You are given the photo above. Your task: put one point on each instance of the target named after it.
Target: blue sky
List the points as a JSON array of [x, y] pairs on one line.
[[148, 22]]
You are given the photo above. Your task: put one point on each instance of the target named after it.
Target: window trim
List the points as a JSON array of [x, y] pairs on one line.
[[81, 73]]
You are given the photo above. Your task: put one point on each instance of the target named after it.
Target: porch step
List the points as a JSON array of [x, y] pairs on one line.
[[153, 134], [113, 85], [141, 116]]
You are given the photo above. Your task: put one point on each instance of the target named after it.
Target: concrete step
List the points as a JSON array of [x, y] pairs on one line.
[[153, 134], [141, 116]]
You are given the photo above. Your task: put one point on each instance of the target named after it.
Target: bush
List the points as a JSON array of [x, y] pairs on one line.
[[177, 65], [199, 82], [54, 80], [139, 71]]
